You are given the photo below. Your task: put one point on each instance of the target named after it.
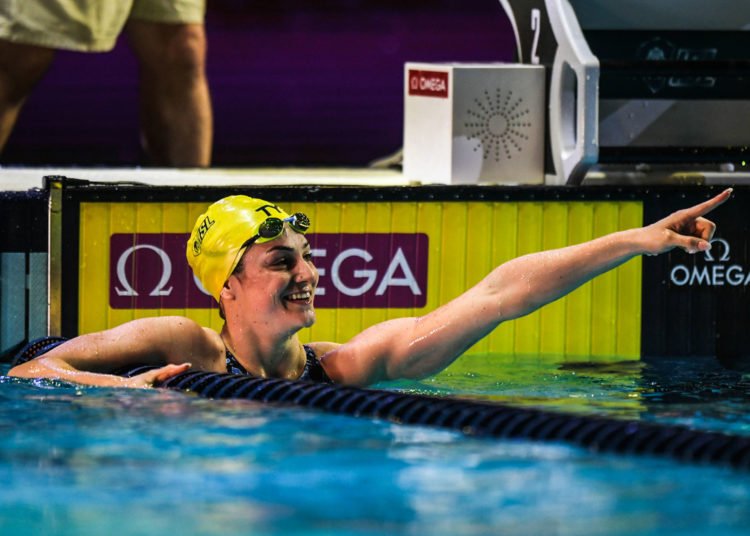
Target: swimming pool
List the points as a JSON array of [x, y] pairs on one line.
[[92, 461]]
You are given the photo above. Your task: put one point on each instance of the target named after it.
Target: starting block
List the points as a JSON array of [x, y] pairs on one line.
[[638, 82]]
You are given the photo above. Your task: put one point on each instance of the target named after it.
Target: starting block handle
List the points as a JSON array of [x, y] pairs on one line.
[[547, 32]]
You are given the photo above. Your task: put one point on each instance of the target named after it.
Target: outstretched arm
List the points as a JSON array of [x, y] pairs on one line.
[[167, 342], [418, 347]]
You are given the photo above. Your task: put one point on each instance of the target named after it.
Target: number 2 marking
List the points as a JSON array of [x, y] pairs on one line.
[[536, 17]]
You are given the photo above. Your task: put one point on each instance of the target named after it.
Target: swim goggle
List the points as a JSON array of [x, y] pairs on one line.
[[272, 228]]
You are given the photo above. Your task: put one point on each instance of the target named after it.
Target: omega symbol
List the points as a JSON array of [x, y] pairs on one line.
[[200, 285], [166, 272], [709, 255]]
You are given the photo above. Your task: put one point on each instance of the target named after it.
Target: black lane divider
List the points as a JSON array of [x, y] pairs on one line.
[[482, 419]]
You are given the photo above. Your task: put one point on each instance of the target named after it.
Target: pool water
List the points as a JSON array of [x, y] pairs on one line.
[[79, 461]]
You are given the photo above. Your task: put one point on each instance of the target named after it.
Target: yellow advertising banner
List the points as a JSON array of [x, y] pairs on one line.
[[377, 260]]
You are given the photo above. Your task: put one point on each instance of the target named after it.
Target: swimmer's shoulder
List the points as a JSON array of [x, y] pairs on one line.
[[190, 342]]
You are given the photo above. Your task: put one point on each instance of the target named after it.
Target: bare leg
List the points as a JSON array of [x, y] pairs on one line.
[[21, 67], [176, 116]]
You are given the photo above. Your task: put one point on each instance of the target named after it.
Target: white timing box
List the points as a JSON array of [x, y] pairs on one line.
[[469, 123]]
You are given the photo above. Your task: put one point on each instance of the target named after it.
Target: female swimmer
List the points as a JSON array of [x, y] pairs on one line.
[[255, 261]]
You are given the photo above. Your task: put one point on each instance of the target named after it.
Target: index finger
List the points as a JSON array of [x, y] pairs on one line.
[[704, 208]]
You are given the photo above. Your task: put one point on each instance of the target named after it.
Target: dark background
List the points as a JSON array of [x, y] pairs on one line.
[[700, 319], [293, 83]]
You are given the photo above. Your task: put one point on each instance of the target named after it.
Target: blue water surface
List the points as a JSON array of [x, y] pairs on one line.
[[80, 461]]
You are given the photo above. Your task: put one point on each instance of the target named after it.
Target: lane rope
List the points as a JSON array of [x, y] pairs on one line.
[[481, 419], [473, 418]]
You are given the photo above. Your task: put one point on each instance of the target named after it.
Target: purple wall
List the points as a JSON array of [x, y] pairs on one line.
[[291, 85]]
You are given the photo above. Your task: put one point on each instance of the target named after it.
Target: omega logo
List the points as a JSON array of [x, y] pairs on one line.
[[368, 277], [717, 272], [357, 270], [428, 83], [432, 84], [166, 272]]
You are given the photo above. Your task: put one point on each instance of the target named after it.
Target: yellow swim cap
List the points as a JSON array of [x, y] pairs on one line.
[[213, 249]]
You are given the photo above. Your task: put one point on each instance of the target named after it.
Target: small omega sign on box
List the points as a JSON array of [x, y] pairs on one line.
[[472, 123]]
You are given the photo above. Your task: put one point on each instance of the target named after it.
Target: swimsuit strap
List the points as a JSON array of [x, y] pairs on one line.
[[313, 369], [234, 366], [36, 348]]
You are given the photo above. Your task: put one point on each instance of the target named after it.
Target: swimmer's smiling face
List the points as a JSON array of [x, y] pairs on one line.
[[275, 283]]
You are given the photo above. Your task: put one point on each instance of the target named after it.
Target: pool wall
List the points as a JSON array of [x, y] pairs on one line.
[[385, 252], [23, 267]]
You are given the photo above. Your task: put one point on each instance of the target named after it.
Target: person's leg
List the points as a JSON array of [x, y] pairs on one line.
[[21, 67], [176, 116]]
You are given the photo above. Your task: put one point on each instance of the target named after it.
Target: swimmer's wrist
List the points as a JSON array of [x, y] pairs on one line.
[[630, 242]]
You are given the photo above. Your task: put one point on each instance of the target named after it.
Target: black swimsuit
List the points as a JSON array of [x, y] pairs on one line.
[[313, 369], [36, 348]]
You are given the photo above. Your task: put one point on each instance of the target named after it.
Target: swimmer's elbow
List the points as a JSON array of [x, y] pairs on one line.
[[41, 367], [30, 369], [17, 372]]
